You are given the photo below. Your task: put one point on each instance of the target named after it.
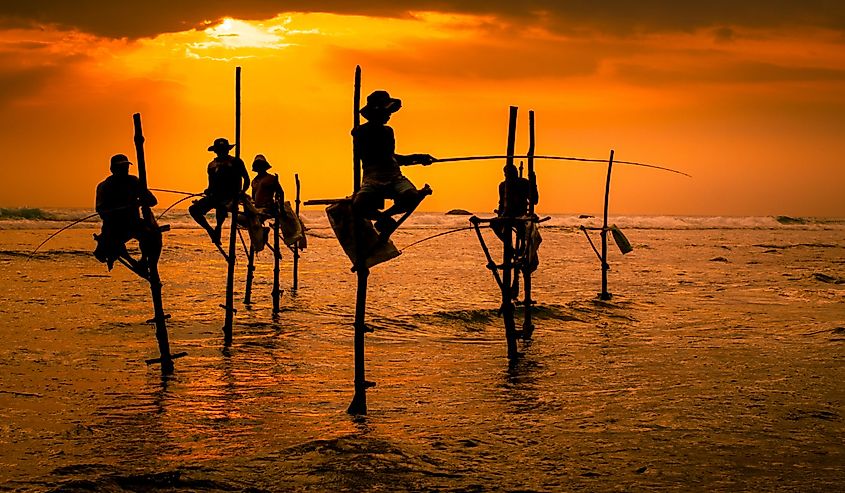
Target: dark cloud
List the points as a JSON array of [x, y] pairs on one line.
[[151, 17], [728, 73]]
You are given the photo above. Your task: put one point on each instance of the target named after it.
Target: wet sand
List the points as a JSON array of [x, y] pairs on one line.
[[717, 366]]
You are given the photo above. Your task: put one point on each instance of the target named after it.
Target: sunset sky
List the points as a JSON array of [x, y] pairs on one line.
[[748, 97]]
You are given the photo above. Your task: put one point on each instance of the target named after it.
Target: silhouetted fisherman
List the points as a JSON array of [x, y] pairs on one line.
[[515, 193], [267, 193], [375, 145], [118, 202], [267, 202], [228, 180]]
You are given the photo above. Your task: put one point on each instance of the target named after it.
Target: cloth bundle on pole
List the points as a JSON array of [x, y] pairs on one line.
[[292, 227], [343, 224]]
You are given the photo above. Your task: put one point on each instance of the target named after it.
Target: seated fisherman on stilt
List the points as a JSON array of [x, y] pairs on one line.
[[267, 199], [375, 145], [515, 193], [118, 202], [228, 180]]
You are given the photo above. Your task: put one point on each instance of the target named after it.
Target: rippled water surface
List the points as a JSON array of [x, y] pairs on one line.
[[718, 365]]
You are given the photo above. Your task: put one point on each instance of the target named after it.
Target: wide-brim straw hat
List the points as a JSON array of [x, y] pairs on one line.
[[221, 143], [381, 101]]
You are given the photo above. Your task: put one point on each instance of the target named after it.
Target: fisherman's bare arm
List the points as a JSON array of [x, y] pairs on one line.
[[410, 159], [244, 178]]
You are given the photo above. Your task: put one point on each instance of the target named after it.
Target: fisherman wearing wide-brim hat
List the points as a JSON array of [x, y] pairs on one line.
[[227, 181], [119, 198], [375, 144]]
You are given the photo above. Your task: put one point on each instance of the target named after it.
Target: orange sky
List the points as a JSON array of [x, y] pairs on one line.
[[752, 109]]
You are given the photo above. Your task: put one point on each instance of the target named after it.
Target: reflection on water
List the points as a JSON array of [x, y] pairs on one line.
[[697, 375]]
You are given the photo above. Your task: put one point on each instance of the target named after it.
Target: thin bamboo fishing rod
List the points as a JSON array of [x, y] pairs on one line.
[[558, 158], [179, 192], [74, 223], [174, 204], [443, 233]]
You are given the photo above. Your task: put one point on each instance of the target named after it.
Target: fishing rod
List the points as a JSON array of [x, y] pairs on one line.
[[178, 192], [558, 158], [74, 223], [435, 236], [174, 204]]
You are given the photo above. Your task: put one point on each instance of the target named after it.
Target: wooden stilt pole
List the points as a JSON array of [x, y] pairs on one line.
[[250, 274], [356, 118], [277, 257], [507, 263], [296, 246], [358, 406], [604, 295], [230, 274], [151, 252], [527, 324]]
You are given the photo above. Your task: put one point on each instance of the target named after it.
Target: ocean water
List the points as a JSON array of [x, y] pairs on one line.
[[717, 365]]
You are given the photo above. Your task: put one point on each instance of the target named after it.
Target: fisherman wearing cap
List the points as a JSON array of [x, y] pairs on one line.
[[267, 192], [375, 145], [228, 180], [119, 198]]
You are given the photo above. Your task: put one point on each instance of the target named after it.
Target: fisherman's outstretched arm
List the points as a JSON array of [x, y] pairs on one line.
[[408, 159]]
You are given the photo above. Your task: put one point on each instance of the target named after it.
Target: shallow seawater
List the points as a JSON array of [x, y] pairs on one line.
[[717, 365]]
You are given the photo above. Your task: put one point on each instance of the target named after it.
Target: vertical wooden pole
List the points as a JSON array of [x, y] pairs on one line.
[[356, 119], [277, 257], [358, 406], [296, 246], [604, 295], [230, 274], [250, 274], [527, 324], [507, 261], [152, 246], [531, 178]]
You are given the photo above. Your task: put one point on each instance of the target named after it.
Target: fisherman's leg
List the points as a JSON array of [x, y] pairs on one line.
[[367, 202], [221, 212], [198, 210]]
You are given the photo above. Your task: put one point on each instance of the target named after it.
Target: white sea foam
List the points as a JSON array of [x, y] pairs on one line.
[[315, 218]]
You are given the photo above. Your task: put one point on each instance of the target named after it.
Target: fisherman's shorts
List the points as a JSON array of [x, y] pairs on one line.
[[389, 189]]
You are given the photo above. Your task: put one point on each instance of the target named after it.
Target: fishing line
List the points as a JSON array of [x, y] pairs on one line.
[[435, 236], [559, 158]]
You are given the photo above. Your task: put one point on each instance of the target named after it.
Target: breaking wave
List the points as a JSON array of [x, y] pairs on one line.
[[315, 219]]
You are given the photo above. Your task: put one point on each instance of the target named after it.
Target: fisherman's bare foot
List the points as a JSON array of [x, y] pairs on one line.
[[214, 234]]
